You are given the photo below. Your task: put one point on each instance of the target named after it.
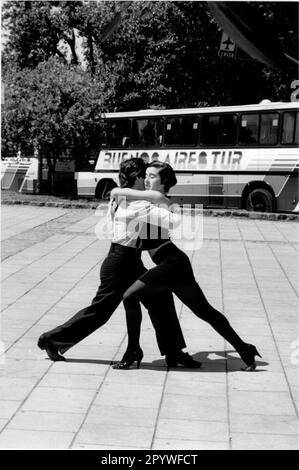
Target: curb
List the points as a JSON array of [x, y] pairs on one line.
[[65, 205], [206, 212]]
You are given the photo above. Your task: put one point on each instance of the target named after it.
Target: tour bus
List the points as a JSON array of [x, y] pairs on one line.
[[224, 157], [19, 173]]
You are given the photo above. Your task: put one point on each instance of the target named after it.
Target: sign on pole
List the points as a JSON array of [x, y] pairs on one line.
[[227, 47]]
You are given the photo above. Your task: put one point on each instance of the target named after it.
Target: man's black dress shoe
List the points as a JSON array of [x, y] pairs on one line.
[[180, 357]]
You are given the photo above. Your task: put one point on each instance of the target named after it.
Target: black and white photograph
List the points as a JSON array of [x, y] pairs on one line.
[[149, 228]]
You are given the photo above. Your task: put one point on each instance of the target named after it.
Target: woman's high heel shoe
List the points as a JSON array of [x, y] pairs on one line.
[[180, 357], [248, 356], [129, 358]]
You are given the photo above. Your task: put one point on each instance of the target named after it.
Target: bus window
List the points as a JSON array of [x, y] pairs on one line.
[[210, 130], [228, 129], [147, 132], [269, 128], [172, 131], [118, 132], [249, 129], [288, 128], [181, 131], [189, 128]]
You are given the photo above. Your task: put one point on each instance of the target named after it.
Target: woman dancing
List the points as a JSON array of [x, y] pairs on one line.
[[173, 271]]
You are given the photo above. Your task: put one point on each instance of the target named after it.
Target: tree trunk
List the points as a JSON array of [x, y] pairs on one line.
[[91, 55], [72, 44], [40, 174], [51, 175], [60, 54]]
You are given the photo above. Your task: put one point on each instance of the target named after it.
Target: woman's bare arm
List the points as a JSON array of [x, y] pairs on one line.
[[135, 194]]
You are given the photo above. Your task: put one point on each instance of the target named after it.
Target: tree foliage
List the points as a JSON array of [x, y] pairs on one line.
[[65, 61], [53, 109]]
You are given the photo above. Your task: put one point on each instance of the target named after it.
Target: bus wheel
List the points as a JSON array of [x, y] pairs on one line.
[[103, 190], [260, 200]]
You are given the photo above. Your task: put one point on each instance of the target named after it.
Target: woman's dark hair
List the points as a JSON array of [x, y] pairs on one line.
[[166, 174], [129, 170]]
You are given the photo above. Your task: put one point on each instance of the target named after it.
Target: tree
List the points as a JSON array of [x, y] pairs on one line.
[[38, 30], [162, 54], [55, 109], [166, 54], [32, 36]]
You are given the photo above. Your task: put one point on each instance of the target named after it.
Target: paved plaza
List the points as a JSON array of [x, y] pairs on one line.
[[50, 269]]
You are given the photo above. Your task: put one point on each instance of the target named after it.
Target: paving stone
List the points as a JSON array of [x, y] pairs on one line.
[[194, 430], [59, 400], [89, 367], [182, 444], [47, 421], [264, 442], [8, 408], [207, 373], [137, 376], [3, 423], [139, 417], [23, 369], [23, 439], [133, 395], [105, 447], [194, 407], [114, 434], [103, 353], [263, 424], [195, 388], [266, 381], [71, 381], [262, 402], [23, 353], [15, 388]]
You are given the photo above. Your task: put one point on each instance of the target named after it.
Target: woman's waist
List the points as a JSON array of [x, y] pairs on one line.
[[153, 251], [167, 249]]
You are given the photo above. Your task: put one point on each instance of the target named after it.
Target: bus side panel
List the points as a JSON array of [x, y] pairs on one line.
[[86, 183], [29, 186], [286, 190], [183, 191], [208, 189], [19, 174]]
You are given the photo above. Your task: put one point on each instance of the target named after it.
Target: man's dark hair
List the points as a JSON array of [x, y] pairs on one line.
[[166, 174], [129, 170]]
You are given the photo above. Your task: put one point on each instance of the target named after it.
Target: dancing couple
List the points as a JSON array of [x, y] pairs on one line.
[[136, 213]]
